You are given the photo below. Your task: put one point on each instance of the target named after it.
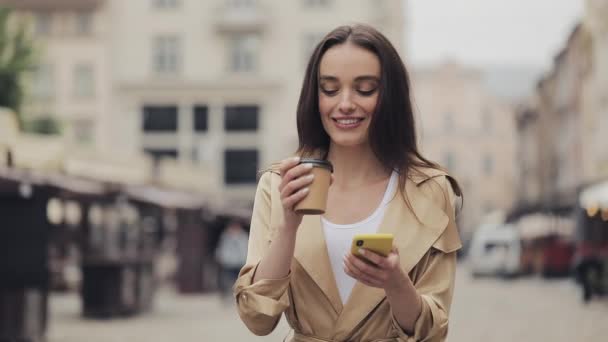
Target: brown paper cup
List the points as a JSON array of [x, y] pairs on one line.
[[316, 201]]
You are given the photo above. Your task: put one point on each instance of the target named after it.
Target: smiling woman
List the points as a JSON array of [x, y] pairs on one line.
[[354, 113]]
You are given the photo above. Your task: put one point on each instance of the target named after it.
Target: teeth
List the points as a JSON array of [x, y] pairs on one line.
[[348, 121]]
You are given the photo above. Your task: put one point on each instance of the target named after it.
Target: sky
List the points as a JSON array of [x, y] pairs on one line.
[[490, 32]]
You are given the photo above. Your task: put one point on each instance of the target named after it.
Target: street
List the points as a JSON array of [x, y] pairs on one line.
[[490, 310]]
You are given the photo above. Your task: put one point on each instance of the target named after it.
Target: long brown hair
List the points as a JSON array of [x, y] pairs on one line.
[[392, 130]]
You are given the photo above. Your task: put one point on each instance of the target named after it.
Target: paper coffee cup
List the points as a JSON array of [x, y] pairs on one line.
[[316, 201]]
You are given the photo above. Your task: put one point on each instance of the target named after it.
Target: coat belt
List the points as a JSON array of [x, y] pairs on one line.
[[297, 337]]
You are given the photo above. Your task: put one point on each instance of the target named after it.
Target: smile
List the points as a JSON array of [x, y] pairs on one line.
[[348, 123]]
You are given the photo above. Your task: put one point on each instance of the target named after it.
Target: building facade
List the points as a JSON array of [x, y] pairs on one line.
[[211, 82], [469, 133], [596, 110], [71, 81], [563, 128], [565, 122], [528, 155]]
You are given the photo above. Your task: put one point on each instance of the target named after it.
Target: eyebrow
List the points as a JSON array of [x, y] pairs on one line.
[[357, 79]]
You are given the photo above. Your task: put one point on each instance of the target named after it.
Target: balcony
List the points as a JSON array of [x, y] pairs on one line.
[[241, 17]]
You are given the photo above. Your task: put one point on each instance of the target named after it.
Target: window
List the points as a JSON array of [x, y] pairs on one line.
[[165, 4], [201, 114], [241, 118], [243, 54], [317, 3], [83, 130], [84, 23], [42, 23], [158, 153], [488, 165], [166, 54], [160, 118], [240, 166], [449, 161], [84, 81], [42, 82]]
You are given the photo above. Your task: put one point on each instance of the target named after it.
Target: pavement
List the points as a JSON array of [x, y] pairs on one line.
[[487, 309]]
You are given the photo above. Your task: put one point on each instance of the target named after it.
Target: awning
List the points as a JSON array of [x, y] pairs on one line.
[[595, 196], [594, 200]]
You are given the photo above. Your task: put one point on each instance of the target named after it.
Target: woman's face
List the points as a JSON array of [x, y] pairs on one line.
[[349, 80]]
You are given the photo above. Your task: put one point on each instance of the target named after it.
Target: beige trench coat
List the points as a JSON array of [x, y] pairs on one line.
[[308, 296]]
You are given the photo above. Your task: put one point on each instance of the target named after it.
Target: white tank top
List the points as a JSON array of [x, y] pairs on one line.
[[338, 238]]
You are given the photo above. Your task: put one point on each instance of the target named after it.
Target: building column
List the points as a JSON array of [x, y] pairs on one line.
[[185, 131]]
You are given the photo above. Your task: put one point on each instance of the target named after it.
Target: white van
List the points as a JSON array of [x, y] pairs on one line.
[[495, 250]]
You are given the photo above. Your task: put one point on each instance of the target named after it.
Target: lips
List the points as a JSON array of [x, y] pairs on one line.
[[345, 123]]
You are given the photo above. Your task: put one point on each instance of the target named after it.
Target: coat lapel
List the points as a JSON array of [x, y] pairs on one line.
[[414, 240], [311, 253], [310, 250]]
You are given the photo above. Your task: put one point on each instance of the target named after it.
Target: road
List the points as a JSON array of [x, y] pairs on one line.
[[490, 310]]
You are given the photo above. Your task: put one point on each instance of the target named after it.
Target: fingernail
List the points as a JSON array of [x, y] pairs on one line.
[[361, 251], [296, 159], [305, 190], [312, 176], [309, 166]]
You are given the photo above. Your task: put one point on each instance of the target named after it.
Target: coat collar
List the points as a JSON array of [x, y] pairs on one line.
[[415, 233]]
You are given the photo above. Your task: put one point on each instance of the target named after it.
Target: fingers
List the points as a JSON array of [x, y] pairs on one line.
[[292, 200], [356, 273], [374, 258], [362, 270], [291, 171], [296, 185], [288, 163]]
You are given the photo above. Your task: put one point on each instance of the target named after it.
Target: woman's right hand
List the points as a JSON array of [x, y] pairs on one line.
[[295, 179]]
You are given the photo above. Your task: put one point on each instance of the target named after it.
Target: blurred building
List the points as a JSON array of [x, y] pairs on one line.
[[561, 130], [529, 156], [561, 146], [215, 82], [471, 134], [71, 83], [596, 110], [563, 95]]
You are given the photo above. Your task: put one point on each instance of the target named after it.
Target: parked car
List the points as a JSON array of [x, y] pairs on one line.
[[557, 257], [495, 251]]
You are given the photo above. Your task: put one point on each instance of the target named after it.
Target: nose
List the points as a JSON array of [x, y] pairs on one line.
[[346, 105]]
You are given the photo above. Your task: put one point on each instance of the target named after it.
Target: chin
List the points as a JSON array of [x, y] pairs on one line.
[[348, 142]]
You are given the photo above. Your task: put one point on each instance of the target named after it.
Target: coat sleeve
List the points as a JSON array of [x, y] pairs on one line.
[[260, 304], [434, 278]]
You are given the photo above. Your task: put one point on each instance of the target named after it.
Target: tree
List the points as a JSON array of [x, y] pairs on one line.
[[16, 58]]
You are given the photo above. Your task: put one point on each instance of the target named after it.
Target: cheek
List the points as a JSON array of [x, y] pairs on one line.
[[325, 105], [369, 104]]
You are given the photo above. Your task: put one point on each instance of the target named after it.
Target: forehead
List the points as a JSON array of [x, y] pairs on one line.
[[348, 61]]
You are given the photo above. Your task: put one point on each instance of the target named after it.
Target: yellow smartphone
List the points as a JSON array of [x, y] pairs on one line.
[[378, 243]]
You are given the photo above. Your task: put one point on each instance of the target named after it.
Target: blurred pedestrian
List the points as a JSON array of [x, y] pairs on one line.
[[355, 112], [230, 255]]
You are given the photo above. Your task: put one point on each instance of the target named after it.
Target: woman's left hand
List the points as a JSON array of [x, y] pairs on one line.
[[381, 272]]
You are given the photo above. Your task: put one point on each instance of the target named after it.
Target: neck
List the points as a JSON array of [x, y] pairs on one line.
[[355, 166]]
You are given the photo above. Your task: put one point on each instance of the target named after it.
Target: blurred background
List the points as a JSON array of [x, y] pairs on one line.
[[132, 131]]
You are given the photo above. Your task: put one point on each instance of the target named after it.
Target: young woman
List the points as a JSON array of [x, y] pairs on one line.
[[354, 111]]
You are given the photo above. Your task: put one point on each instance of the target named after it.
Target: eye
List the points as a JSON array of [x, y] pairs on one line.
[[329, 92], [367, 92]]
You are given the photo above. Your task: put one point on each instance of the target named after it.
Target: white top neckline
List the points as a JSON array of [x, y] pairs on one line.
[[388, 194]]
